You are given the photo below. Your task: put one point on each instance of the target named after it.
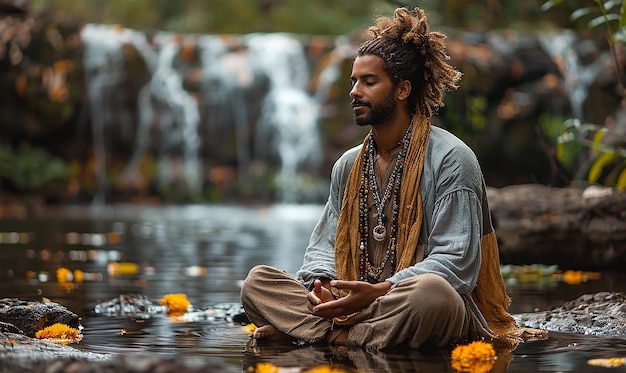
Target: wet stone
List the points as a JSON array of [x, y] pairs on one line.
[[139, 306], [31, 316], [601, 314], [19, 352]]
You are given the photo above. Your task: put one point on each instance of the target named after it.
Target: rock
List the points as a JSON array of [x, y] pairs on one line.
[[139, 306], [602, 314], [19, 352], [540, 224], [135, 363], [31, 316], [134, 305]]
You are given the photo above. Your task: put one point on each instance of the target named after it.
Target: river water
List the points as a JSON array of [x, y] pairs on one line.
[[205, 253]]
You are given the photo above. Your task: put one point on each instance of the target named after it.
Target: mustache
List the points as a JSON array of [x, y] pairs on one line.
[[360, 103]]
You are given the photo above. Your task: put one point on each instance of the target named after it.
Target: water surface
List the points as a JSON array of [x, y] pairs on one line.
[[205, 253]]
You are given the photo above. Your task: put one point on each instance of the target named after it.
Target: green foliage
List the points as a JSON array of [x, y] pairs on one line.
[[321, 17], [606, 163], [31, 169]]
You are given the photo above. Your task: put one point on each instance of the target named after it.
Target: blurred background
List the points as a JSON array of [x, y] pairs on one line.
[[246, 101]]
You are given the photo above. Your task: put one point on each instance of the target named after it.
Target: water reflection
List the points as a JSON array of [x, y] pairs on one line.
[[79, 257]]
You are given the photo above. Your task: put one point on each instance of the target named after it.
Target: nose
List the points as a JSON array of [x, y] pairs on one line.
[[354, 91]]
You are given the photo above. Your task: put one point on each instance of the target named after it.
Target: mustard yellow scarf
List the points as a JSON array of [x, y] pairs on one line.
[[347, 251]]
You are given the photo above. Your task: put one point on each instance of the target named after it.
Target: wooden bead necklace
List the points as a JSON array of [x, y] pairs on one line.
[[367, 271]]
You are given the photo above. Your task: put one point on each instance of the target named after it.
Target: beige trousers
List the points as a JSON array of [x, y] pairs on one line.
[[424, 309]]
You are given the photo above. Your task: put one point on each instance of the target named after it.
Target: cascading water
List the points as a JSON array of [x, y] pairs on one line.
[[253, 95], [577, 78], [289, 119]]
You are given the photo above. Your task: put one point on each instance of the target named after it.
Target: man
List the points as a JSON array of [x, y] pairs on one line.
[[404, 252]]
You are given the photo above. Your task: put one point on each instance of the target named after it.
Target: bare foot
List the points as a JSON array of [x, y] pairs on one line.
[[271, 333], [338, 337]]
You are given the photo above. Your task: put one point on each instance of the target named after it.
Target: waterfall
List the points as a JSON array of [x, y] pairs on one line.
[[250, 92], [561, 47], [565, 49], [289, 119]]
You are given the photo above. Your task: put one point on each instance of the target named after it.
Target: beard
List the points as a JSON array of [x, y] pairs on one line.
[[379, 113]]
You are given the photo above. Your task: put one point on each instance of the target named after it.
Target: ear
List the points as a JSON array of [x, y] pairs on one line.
[[403, 90]]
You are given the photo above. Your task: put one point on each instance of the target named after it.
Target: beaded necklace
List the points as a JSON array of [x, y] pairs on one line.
[[367, 271]]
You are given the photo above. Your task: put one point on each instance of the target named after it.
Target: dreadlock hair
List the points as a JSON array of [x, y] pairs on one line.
[[411, 52]]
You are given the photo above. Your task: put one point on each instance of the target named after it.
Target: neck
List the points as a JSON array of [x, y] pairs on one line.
[[388, 135]]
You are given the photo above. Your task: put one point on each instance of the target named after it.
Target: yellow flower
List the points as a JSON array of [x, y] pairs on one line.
[[177, 304], [59, 331], [249, 329], [79, 276], [475, 357], [608, 362], [265, 368], [63, 275]]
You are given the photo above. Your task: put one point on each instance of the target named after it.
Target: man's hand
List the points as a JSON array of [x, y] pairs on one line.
[[320, 293], [362, 294]]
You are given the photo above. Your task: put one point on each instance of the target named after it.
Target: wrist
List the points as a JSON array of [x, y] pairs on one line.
[[383, 287]]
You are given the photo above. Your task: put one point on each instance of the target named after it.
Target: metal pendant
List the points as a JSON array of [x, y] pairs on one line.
[[379, 232]]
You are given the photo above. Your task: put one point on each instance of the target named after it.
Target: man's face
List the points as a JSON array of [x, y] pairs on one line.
[[373, 94]]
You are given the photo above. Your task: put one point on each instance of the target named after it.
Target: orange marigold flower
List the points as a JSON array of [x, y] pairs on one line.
[[249, 329], [177, 304], [475, 357], [265, 368], [611, 362], [59, 331]]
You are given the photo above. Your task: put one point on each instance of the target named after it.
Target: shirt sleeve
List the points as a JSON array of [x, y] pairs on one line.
[[319, 257]]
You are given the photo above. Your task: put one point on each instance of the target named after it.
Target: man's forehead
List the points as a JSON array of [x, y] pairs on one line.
[[369, 65]]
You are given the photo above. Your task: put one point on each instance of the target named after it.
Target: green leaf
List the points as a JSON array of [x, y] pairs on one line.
[[560, 152], [610, 4], [622, 19], [620, 35], [597, 139], [549, 5], [601, 20], [621, 181], [598, 165], [579, 13], [565, 137]]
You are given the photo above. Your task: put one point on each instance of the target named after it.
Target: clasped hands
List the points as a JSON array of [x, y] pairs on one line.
[[322, 302]]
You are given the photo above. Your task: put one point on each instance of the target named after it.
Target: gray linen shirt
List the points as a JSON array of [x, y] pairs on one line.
[[456, 216]]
